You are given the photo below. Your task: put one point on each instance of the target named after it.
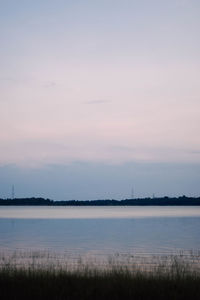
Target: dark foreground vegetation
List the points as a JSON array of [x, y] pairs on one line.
[[163, 201], [45, 275], [114, 284]]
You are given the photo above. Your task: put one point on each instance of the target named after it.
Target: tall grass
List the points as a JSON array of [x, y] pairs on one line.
[[173, 277]]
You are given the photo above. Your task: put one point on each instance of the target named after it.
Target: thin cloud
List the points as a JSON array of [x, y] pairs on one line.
[[49, 84], [194, 152], [124, 148], [8, 79], [97, 102]]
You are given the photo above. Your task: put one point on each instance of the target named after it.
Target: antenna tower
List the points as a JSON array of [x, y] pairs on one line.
[[13, 192], [132, 193]]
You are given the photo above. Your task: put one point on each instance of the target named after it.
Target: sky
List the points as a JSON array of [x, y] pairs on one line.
[[97, 97]]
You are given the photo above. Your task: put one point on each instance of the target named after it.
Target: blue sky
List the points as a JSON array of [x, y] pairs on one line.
[[83, 180], [111, 85]]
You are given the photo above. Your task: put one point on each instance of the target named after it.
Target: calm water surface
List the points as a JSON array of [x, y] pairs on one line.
[[100, 230]]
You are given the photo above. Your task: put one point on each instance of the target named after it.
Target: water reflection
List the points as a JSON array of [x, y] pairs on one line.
[[160, 235], [91, 212]]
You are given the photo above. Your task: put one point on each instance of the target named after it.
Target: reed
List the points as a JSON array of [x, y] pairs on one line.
[[175, 280]]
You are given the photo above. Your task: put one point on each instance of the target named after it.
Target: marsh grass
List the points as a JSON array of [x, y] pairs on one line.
[[40, 275]]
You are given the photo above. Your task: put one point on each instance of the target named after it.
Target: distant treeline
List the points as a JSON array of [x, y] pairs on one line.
[[163, 201]]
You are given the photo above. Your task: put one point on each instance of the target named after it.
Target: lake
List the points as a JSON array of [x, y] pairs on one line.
[[96, 231]]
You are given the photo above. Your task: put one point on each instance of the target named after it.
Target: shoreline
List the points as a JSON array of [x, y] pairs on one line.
[[158, 201]]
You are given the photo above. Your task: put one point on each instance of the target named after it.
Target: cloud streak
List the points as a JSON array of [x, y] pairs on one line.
[[97, 102]]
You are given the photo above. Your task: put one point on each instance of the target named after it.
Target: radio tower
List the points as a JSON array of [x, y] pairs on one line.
[[132, 193], [13, 192]]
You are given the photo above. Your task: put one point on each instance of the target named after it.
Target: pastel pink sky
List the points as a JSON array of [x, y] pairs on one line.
[[109, 83]]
